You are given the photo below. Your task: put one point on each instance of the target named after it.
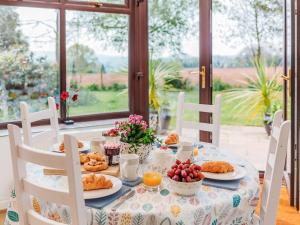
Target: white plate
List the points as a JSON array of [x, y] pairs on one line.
[[239, 173], [86, 147], [117, 185]]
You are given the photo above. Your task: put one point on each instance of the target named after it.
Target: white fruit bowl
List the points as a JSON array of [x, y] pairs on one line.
[[184, 188]]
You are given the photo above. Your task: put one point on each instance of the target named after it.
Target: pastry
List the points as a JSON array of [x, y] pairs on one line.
[[96, 156], [84, 158], [62, 146], [95, 182], [217, 167], [95, 166], [172, 139]]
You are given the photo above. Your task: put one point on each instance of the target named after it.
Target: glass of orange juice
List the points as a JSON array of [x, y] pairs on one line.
[[152, 180]]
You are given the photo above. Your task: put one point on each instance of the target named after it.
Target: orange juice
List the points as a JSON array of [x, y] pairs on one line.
[[196, 151], [152, 179]]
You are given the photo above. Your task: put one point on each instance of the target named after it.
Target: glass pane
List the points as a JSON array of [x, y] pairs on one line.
[[29, 53], [174, 57], [247, 64], [97, 61]]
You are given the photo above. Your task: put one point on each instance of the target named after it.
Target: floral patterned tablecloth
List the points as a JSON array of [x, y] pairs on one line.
[[211, 206]]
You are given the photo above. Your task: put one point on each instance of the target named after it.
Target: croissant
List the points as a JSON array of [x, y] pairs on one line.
[[217, 167], [172, 139], [95, 182], [62, 146]]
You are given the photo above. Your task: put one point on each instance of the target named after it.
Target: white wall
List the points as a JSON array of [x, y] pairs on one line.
[[6, 178]]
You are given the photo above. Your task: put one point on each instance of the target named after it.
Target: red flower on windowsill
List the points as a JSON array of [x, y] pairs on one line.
[[64, 95], [57, 106], [75, 97]]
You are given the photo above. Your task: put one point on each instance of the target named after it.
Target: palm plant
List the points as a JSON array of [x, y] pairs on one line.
[[258, 94], [159, 72]]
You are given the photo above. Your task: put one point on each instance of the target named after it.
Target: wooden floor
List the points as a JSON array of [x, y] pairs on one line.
[[286, 214]]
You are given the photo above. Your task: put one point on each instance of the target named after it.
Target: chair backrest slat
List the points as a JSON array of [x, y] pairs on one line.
[[274, 169], [36, 156], [213, 127], [73, 197], [198, 126], [40, 115], [28, 118], [45, 193], [199, 107]]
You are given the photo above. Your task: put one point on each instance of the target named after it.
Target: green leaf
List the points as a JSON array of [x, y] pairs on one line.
[[100, 217], [138, 219]]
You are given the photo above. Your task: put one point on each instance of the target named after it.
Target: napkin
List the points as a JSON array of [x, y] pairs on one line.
[[100, 203], [225, 184], [132, 183]]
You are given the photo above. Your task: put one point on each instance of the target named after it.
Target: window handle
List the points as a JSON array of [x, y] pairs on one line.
[[98, 4], [202, 74], [139, 75]]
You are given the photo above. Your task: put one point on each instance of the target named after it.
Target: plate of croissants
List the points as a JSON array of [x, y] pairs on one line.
[[98, 186], [221, 170]]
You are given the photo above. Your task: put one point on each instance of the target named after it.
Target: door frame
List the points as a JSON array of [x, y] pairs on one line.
[[205, 59]]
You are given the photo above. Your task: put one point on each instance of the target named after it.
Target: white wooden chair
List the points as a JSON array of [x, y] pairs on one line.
[[274, 171], [73, 197], [213, 127], [43, 139]]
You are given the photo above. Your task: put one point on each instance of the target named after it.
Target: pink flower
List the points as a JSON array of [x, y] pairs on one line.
[[135, 119]]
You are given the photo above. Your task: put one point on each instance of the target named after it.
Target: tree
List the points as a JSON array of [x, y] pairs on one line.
[[10, 35], [81, 59], [253, 23], [102, 72], [169, 23]]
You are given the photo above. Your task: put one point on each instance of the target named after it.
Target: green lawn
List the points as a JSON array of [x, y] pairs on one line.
[[112, 101]]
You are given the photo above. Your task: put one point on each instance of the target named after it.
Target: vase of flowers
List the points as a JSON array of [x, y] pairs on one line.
[[136, 137], [68, 97]]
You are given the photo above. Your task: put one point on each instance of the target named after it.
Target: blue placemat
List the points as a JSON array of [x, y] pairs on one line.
[[100, 203], [225, 184], [132, 183]]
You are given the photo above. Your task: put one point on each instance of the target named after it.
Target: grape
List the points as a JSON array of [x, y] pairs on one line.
[[188, 161], [176, 178], [178, 171], [188, 179], [183, 173], [178, 162], [174, 166]]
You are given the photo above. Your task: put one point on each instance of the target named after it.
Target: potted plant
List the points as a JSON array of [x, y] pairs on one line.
[[136, 137], [67, 100], [258, 96], [159, 72], [269, 117]]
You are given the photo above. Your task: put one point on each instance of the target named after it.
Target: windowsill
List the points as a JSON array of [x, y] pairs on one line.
[[99, 124]]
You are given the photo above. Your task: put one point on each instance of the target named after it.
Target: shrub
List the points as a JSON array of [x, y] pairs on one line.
[[93, 87], [220, 85]]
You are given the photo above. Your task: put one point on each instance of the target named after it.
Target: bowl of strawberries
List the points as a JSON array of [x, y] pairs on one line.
[[185, 178]]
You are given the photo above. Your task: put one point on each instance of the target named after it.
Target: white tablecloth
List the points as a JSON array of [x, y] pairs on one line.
[[211, 206]]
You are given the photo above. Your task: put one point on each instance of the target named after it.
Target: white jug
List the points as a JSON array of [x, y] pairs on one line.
[[185, 151]]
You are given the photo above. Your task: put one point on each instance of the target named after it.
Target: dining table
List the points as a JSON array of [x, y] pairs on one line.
[[209, 206]]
